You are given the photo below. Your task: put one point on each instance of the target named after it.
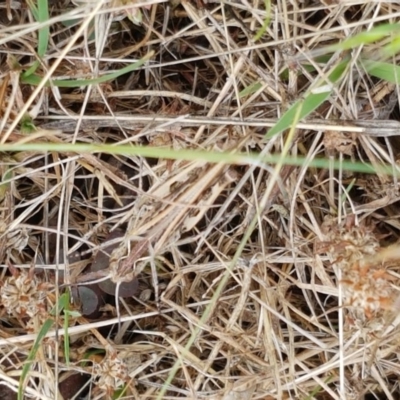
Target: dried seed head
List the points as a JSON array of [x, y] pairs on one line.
[[23, 294], [111, 373], [367, 286], [370, 291], [349, 242]]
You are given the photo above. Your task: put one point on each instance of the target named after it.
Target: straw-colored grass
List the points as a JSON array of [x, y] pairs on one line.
[[242, 279]]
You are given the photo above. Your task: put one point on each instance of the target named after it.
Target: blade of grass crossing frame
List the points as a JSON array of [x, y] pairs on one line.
[[64, 305], [366, 37], [310, 103], [195, 155], [41, 335], [35, 79], [391, 49], [61, 304], [318, 389], [264, 27], [369, 37], [41, 14], [248, 90], [44, 32], [383, 70], [34, 9]]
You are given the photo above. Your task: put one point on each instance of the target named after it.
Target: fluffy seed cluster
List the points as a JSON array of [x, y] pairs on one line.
[[24, 295], [111, 373], [367, 286]]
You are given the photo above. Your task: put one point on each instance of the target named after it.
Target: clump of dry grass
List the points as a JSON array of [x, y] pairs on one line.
[[306, 310]]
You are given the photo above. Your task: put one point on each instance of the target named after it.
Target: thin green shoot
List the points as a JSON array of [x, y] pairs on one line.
[[39, 338], [317, 389], [391, 49], [73, 83], [62, 303], [41, 14], [32, 354], [312, 100], [347, 191], [373, 35], [383, 70], [66, 325], [26, 124], [89, 353], [195, 155], [119, 393], [266, 22], [248, 90]]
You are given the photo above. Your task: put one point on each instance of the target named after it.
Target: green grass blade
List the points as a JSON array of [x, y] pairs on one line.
[[307, 106], [32, 354], [248, 90], [189, 154], [35, 79], [41, 14], [317, 389], [345, 195], [31, 69], [391, 49], [383, 70], [63, 303], [44, 32], [34, 9], [266, 22], [119, 393], [89, 353], [371, 36], [311, 102]]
